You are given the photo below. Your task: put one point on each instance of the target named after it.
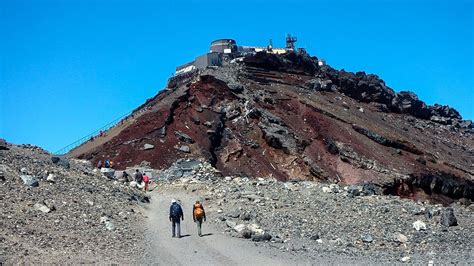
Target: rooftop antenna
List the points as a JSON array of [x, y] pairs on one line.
[[290, 42], [270, 45]]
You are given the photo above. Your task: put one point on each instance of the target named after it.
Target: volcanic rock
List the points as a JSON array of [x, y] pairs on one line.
[[448, 218], [261, 237], [148, 146], [183, 137], [35, 216], [367, 238], [419, 225], [185, 149], [3, 145], [29, 180], [41, 207], [286, 117], [400, 238], [61, 161]]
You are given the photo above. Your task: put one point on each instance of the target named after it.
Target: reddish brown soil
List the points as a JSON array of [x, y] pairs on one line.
[[236, 145]]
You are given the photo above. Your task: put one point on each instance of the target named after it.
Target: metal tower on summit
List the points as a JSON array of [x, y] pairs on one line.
[[290, 42]]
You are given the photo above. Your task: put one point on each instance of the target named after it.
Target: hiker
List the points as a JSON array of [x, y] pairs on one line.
[[99, 164], [107, 164], [199, 215], [146, 180], [125, 176], [138, 176], [111, 164], [176, 213]]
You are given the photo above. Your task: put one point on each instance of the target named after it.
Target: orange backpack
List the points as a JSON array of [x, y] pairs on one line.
[[198, 211]]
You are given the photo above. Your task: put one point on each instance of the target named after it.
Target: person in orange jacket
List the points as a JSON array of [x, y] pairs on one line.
[[199, 215]]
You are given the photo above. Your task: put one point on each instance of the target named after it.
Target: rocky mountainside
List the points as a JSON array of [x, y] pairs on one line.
[[54, 210], [286, 117], [348, 224]]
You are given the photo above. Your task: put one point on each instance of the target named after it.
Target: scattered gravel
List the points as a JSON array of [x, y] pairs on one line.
[[55, 215], [304, 218]]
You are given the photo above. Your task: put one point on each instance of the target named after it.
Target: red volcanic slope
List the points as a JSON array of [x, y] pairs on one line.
[[268, 118]]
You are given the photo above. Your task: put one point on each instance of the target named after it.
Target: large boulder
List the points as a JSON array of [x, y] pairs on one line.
[[448, 218], [445, 111], [261, 237], [408, 103], [183, 137], [61, 161], [319, 84], [108, 172], [148, 146], [3, 145]]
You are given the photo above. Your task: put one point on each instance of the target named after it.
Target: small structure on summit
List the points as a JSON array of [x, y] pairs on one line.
[[228, 48]]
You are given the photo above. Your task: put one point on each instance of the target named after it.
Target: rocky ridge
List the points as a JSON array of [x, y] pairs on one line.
[[283, 116], [56, 210]]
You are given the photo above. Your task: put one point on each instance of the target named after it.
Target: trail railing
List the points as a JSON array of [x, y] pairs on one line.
[[93, 135]]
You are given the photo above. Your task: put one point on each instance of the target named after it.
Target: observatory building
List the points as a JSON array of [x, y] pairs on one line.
[[228, 48]]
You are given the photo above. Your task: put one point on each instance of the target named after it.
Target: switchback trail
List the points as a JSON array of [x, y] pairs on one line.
[[214, 248]]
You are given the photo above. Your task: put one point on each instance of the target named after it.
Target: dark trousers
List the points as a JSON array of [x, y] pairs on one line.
[[176, 227]]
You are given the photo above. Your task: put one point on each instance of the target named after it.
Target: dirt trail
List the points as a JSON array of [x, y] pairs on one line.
[[214, 248]]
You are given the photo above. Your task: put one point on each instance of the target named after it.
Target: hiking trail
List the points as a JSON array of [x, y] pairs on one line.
[[213, 248]]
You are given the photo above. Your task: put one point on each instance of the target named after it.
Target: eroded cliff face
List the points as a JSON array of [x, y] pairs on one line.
[[286, 117]]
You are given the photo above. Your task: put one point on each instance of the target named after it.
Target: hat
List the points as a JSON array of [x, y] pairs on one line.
[[173, 201]]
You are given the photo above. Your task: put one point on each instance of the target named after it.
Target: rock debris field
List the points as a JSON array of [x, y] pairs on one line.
[[61, 211], [55, 210], [326, 220]]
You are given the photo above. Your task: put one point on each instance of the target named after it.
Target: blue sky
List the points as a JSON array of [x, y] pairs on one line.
[[69, 67]]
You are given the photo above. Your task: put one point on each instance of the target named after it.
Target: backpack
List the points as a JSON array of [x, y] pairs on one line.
[[175, 211], [198, 211]]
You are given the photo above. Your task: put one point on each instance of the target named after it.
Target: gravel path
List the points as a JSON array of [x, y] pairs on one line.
[[214, 248]]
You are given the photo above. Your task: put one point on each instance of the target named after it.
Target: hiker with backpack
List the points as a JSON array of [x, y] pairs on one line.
[[176, 213], [199, 215], [146, 180], [138, 179]]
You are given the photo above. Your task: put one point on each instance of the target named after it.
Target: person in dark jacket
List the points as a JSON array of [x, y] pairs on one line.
[[138, 177], [176, 214]]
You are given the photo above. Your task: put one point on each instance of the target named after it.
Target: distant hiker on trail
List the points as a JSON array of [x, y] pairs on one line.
[[138, 177], [107, 164], [176, 213], [111, 164], [99, 164], [199, 215], [146, 180], [125, 176]]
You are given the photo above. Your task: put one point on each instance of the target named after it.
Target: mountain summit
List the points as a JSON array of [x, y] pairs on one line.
[[279, 112]]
